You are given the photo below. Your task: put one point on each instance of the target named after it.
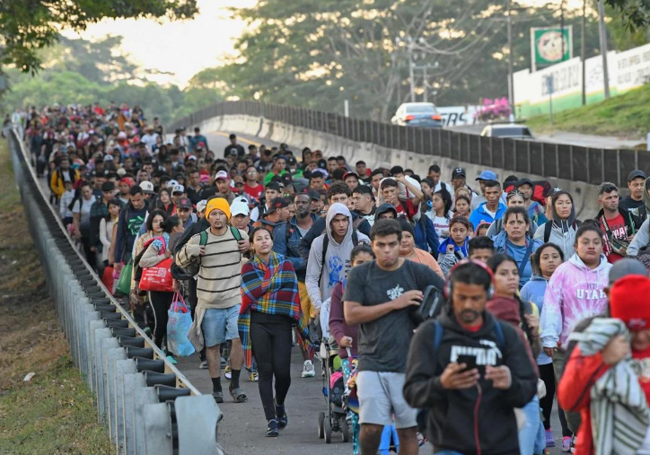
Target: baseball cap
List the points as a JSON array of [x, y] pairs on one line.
[[239, 207], [350, 174], [278, 203], [314, 195], [550, 192], [487, 175], [108, 158], [178, 189], [273, 186], [172, 183], [635, 174], [147, 187], [221, 175], [121, 172], [458, 172], [625, 267], [108, 186], [524, 181], [200, 206], [184, 203]]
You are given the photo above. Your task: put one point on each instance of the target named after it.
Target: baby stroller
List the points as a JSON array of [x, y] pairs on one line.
[[334, 419]]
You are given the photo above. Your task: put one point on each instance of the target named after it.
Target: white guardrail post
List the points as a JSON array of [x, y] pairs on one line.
[[120, 364]]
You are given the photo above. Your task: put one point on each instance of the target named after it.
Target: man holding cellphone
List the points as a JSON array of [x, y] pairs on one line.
[[468, 371], [381, 297]]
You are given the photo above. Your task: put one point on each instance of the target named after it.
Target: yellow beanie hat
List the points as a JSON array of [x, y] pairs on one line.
[[220, 204]]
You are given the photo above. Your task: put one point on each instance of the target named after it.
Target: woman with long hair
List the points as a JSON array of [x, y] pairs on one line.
[[575, 292], [164, 202], [345, 335], [562, 226], [515, 241], [441, 212], [546, 260], [508, 307], [106, 228], [462, 206], [270, 308]]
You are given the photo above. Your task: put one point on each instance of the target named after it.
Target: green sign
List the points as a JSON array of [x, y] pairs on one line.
[[550, 45]]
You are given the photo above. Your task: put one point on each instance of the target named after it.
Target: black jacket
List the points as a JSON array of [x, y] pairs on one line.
[[319, 227], [451, 421]]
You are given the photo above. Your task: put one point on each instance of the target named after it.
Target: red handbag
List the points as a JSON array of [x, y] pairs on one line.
[[158, 278]]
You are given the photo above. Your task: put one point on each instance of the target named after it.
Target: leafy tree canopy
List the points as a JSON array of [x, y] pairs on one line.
[[27, 26]]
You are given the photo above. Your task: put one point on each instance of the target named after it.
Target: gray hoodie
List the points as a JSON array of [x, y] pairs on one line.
[[337, 258], [641, 239], [563, 232]]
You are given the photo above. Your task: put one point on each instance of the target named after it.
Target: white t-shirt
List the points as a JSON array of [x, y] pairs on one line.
[[82, 206], [149, 140], [440, 224]]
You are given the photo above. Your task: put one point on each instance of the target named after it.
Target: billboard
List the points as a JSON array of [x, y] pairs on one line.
[[550, 45]]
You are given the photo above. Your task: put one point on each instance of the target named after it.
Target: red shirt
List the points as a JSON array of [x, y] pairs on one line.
[[254, 192], [406, 208], [617, 226]]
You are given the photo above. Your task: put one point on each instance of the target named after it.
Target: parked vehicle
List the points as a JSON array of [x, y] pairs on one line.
[[509, 130]]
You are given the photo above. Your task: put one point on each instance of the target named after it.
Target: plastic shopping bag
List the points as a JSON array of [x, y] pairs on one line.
[[124, 283], [178, 326]]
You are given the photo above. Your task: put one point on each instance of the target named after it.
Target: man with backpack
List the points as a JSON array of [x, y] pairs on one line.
[[468, 372], [382, 297], [329, 256], [341, 193], [218, 253]]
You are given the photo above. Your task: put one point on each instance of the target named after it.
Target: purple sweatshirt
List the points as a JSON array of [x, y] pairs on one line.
[[338, 326], [575, 292]]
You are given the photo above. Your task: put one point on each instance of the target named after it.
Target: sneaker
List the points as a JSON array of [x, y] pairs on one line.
[[283, 420], [171, 360], [254, 377], [308, 370], [550, 442], [227, 372], [203, 365], [566, 444]]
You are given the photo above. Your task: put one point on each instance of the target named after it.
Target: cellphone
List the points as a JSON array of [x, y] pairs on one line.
[[468, 360]]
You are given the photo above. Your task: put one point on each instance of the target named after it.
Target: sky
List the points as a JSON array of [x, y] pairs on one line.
[[185, 48], [180, 47]]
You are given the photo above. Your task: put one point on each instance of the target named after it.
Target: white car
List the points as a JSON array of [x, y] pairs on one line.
[[509, 130], [417, 114]]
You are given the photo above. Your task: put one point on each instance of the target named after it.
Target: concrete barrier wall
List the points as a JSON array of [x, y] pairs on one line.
[[585, 195]]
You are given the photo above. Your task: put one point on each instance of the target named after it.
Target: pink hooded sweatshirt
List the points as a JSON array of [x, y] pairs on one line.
[[575, 292]]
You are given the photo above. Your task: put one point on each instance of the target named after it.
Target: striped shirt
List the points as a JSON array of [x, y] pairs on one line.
[[219, 279]]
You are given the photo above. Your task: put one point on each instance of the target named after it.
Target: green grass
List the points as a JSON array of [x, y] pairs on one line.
[[626, 115], [52, 415]]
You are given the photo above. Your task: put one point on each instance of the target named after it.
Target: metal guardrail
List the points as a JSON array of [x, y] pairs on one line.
[[148, 406], [551, 160]]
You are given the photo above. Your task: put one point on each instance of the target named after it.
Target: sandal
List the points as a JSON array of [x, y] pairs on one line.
[[283, 420], [238, 395], [218, 396], [272, 429]]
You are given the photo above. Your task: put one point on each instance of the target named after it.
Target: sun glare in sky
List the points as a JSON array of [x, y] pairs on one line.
[[185, 48]]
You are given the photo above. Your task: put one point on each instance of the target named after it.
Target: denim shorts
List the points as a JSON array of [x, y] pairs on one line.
[[220, 325]]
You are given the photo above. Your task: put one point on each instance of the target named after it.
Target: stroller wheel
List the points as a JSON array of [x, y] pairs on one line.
[[321, 425], [345, 429], [328, 431]]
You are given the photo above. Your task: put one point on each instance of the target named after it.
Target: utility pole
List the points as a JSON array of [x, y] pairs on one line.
[[411, 43], [511, 85], [603, 45], [562, 27], [425, 83], [583, 52]]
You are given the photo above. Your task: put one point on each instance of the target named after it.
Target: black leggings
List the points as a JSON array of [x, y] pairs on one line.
[[272, 351], [548, 376], [160, 301]]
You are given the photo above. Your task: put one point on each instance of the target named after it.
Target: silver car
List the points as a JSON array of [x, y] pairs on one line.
[[418, 114], [509, 130]]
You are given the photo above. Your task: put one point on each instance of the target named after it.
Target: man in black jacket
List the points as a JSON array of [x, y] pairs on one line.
[[469, 371]]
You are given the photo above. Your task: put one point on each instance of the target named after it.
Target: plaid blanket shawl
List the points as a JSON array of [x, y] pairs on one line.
[[272, 289]]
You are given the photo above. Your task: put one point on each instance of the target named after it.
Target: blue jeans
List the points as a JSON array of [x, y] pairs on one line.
[[528, 434]]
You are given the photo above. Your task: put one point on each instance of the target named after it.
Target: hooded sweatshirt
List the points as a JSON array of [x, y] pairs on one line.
[[563, 232], [337, 258], [575, 292], [451, 422], [641, 239], [533, 292]]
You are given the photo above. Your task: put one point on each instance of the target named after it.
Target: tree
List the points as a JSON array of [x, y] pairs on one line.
[[27, 26], [634, 14]]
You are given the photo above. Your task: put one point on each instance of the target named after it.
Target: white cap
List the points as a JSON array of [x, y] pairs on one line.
[[121, 172], [146, 186], [108, 158], [178, 189], [201, 205], [221, 175], [172, 183], [239, 207]]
